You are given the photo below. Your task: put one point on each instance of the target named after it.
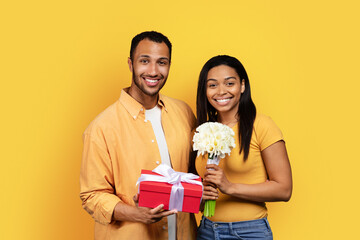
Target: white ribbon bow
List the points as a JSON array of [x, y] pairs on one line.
[[169, 175]]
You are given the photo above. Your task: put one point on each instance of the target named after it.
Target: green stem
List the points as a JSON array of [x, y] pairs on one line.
[[209, 208]]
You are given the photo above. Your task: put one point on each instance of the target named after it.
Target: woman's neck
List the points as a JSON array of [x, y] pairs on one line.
[[228, 119]]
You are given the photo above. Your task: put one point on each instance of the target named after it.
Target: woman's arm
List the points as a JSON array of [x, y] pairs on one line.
[[277, 188]]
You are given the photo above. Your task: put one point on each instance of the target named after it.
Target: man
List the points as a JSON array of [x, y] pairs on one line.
[[139, 131]]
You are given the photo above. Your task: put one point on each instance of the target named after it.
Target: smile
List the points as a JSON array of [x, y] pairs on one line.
[[222, 100], [151, 81]]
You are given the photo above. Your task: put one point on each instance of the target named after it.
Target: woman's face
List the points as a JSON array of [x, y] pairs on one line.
[[224, 89]]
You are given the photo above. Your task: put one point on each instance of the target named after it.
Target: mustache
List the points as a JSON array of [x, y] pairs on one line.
[[152, 76]]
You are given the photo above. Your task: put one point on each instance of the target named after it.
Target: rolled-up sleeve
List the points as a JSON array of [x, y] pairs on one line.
[[96, 178]]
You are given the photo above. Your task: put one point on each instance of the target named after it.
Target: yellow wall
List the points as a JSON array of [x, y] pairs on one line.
[[63, 62]]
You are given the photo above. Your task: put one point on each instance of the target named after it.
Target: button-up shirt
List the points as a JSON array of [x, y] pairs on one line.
[[117, 145]]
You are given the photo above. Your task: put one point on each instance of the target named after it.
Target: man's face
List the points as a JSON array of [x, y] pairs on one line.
[[150, 67]]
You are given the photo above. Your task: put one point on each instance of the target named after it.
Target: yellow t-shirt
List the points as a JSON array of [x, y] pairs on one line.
[[251, 171]]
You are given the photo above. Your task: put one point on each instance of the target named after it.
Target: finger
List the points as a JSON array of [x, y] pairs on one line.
[[210, 197], [210, 173], [164, 213], [210, 185], [212, 181], [205, 183], [136, 198], [210, 189], [212, 192], [157, 209], [213, 166]]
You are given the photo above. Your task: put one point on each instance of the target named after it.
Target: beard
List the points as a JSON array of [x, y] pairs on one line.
[[138, 78]]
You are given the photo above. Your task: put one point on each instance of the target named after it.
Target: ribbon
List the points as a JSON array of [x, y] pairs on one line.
[[214, 159], [169, 175]]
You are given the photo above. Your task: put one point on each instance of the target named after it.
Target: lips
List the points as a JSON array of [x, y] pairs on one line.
[[223, 101], [151, 82]]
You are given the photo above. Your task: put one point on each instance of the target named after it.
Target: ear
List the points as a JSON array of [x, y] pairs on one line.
[[242, 86], [130, 64]]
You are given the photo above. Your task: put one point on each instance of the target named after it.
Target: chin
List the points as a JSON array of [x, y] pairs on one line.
[[151, 92]]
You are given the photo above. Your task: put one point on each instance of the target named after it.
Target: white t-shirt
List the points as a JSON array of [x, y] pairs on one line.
[[154, 116]]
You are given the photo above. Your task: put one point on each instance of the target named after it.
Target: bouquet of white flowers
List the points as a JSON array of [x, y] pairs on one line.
[[216, 140]]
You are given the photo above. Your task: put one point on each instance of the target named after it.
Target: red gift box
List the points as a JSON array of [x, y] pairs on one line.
[[152, 194]]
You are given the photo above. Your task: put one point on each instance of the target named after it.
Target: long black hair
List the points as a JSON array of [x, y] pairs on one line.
[[247, 110]]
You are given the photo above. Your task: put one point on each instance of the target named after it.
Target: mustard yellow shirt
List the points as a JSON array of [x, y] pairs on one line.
[[117, 145], [252, 171]]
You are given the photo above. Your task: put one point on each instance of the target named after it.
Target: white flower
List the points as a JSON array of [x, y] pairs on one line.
[[214, 138]]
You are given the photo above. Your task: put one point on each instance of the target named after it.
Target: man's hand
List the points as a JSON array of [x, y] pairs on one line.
[[125, 212], [136, 199], [152, 215]]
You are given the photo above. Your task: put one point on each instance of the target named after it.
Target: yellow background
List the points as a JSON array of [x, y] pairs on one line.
[[63, 62]]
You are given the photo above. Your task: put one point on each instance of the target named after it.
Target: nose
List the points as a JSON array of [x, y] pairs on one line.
[[152, 69], [222, 89]]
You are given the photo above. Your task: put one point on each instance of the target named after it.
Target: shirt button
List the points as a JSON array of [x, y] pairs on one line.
[[164, 227], [157, 162], [152, 140]]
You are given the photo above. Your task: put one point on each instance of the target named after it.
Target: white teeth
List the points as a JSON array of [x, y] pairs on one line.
[[223, 100], [151, 81]]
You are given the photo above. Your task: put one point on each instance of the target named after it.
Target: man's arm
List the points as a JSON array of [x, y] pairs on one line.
[[97, 187], [125, 212], [96, 178]]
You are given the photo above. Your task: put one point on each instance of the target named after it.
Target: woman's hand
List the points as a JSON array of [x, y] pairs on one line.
[[278, 187], [210, 192], [216, 176]]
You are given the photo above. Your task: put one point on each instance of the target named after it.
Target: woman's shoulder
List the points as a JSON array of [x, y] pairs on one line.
[[262, 120], [264, 124], [266, 131]]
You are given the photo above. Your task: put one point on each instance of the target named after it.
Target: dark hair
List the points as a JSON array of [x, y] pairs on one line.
[[247, 110], [152, 36]]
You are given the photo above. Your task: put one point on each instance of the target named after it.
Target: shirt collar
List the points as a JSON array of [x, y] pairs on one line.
[[162, 101], [134, 107]]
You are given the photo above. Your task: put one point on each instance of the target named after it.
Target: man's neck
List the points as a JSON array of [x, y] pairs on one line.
[[147, 101]]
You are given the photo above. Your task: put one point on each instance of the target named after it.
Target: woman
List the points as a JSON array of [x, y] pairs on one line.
[[258, 168]]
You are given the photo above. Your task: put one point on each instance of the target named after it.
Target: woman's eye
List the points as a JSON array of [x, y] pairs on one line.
[[212, 85]]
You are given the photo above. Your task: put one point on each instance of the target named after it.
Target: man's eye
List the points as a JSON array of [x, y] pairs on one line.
[[144, 61], [162, 63]]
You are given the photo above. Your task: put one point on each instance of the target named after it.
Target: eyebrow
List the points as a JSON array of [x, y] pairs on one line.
[[147, 56], [228, 78], [210, 79]]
